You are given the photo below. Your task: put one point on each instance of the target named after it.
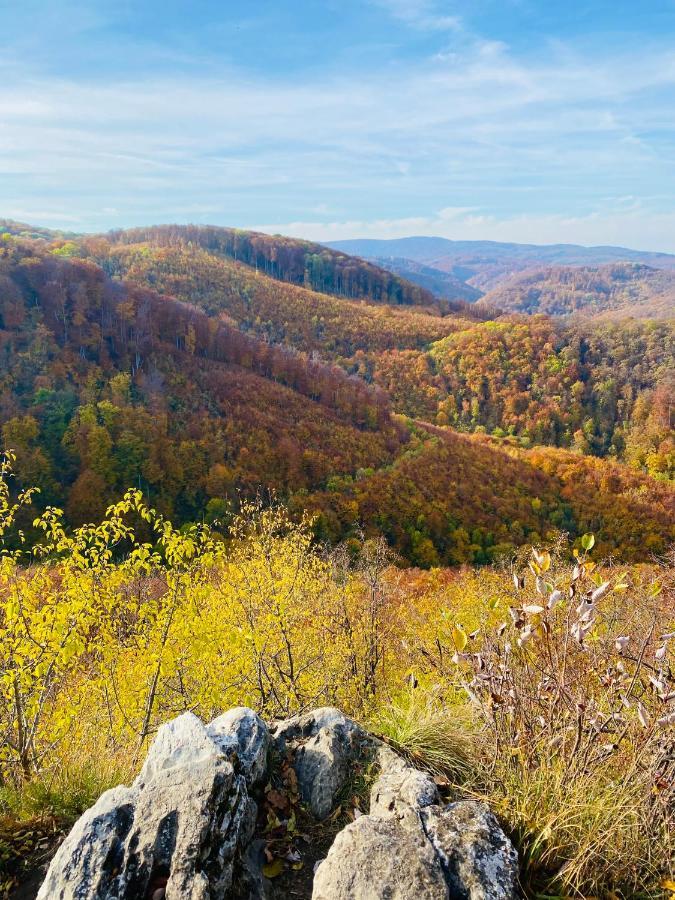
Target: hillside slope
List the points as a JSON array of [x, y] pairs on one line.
[[106, 383], [289, 259], [467, 499], [484, 264], [618, 289], [441, 284], [602, 390], [106, 386], [278, 312]]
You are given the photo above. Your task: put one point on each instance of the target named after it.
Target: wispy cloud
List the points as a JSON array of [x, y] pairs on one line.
[[420, 14], [521, 146]]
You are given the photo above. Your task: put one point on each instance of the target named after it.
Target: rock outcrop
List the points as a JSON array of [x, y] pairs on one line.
[[179, 830], [324, 744], [186, 827]]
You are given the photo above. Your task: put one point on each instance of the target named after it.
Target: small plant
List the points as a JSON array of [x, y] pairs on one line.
[[432, 735]]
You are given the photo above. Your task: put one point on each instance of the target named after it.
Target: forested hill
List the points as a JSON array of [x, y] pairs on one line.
[[291, 260], [189, 375], [276, 311], [618, 289], [107, 385]]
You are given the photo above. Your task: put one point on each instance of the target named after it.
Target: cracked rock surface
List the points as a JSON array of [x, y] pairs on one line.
[[186, 828], [453, 852], [324, 743], [179, 826]]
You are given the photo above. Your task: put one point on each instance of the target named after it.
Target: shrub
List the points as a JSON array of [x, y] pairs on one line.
[[575, 692]]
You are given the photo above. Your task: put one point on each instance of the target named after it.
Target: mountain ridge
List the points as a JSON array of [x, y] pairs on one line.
[[485, 264]]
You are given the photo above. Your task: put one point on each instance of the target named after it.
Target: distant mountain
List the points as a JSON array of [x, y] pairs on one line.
[[444, 285], [617, 289], [484, 264]]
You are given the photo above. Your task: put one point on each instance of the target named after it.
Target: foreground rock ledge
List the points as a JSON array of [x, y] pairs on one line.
[[185, 828]]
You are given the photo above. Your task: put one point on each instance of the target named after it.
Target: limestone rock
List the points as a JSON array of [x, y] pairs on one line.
[[374, 858], [243, 732], [478, 860], [185, 829], [457, 853], [324, 744], [400, 786], [180, 825]]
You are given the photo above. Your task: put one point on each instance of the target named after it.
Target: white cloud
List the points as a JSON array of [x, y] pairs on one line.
[[475, 136], [420, 14]]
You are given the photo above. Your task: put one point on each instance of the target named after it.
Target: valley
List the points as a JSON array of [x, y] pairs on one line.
[[205, 365]]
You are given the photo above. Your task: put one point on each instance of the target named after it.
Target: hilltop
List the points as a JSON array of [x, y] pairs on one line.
[[156, 359]]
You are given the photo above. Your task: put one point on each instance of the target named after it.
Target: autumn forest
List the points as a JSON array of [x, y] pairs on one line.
[[206, 366]]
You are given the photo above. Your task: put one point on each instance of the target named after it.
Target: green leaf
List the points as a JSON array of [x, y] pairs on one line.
[[588, 541]]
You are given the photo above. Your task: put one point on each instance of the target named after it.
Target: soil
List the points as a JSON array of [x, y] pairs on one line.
[[25, 853]]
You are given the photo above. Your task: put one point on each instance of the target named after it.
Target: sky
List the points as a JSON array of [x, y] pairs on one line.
[[519, 120]]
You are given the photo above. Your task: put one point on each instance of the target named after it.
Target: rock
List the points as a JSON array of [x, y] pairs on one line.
[[185, 829], [458, 853], [242, 732], [325, 744], [374, 858], [183, 822], [478, 860], [400, 786], [87, 862]]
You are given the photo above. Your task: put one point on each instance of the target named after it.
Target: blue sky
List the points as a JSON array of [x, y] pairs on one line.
[[524, 120]]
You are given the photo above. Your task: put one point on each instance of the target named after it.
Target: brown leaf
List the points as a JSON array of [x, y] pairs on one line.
[[277, 800]]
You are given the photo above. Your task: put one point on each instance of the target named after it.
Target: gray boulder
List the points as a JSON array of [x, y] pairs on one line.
[[179, 828], [479, 861], [324, 744], [374, 858], [457, 853]]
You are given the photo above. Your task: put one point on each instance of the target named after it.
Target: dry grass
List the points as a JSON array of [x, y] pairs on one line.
[[437, 737], [591, 836]]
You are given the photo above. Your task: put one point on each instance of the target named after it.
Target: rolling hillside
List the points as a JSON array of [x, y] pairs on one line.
[[290, 260], [484, 264], [617, 289], [106, 386], [602, 390], [189, 375], [278, 312]]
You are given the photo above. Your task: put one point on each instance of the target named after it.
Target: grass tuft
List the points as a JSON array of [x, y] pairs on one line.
[[66, 791], [431, 735]]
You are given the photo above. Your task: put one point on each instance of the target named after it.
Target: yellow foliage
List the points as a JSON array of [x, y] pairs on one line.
[[105, 634]]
